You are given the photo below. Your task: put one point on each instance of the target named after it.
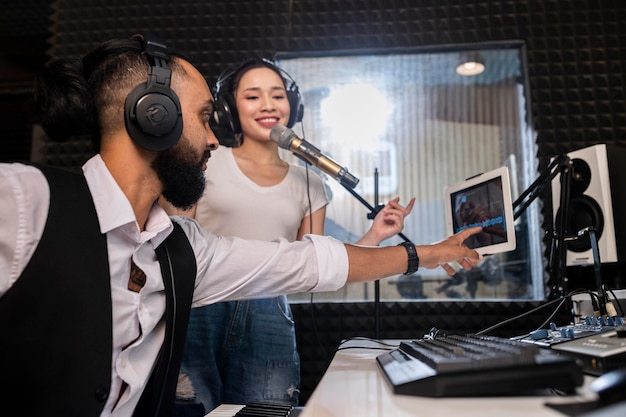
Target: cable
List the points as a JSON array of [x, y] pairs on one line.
[[311, 302], [383, 345], [308, 195], [549, 303], [551, 316], [619, 305]]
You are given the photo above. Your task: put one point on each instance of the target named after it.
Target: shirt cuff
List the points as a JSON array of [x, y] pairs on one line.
[[332, 263]]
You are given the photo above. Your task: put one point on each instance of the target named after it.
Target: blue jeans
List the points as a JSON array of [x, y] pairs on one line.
[[238, 352]]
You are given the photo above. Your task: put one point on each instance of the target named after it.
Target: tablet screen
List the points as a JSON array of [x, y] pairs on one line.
[[485, 201]]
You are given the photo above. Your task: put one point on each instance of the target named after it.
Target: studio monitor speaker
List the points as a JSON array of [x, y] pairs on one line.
[[597, 199]]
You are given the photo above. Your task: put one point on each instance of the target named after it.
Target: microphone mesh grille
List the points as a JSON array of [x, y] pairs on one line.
[[282, 135]]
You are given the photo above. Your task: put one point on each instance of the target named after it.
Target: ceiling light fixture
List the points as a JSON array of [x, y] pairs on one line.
[[470, 64]]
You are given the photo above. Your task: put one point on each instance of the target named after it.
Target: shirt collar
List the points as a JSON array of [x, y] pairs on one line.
[[115, 211]]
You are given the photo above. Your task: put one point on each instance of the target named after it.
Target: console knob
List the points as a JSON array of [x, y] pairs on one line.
[[539, 334]]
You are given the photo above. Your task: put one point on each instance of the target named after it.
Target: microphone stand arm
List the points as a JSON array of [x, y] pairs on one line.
[[559, 165], [373, 212]]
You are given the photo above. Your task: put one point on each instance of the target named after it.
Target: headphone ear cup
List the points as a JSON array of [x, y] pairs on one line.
[[152, 111], [225, 122], [225, 113], [153, 117], [296, 108]]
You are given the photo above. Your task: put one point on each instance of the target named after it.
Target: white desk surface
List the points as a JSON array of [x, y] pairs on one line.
[[353, 385]]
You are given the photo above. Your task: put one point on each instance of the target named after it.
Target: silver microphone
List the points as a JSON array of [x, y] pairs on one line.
[[287, 139]]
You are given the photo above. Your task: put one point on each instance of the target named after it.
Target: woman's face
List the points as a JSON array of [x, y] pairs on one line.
[[261, 102]]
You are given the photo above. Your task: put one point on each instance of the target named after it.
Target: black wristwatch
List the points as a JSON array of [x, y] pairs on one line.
[[414, 260]]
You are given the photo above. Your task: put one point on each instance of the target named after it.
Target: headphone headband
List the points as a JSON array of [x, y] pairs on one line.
[[227, 76], [155, 49]]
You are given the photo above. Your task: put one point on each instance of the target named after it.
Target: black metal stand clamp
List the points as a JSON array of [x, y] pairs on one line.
[[558, 251]]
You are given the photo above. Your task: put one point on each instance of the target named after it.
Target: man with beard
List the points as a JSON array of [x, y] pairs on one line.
[[96, 280]]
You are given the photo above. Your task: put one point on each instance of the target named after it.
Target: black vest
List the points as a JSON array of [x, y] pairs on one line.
[[55, 321]]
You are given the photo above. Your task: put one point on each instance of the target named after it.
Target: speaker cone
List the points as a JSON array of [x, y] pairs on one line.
[[583, 212]]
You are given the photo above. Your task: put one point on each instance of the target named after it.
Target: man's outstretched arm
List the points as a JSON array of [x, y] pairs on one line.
[[367, 264]]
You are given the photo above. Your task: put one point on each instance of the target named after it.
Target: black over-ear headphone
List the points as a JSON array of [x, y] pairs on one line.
[[225, 120], [152, 110]]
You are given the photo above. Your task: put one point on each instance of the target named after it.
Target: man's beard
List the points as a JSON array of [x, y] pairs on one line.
[[181, 173]]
